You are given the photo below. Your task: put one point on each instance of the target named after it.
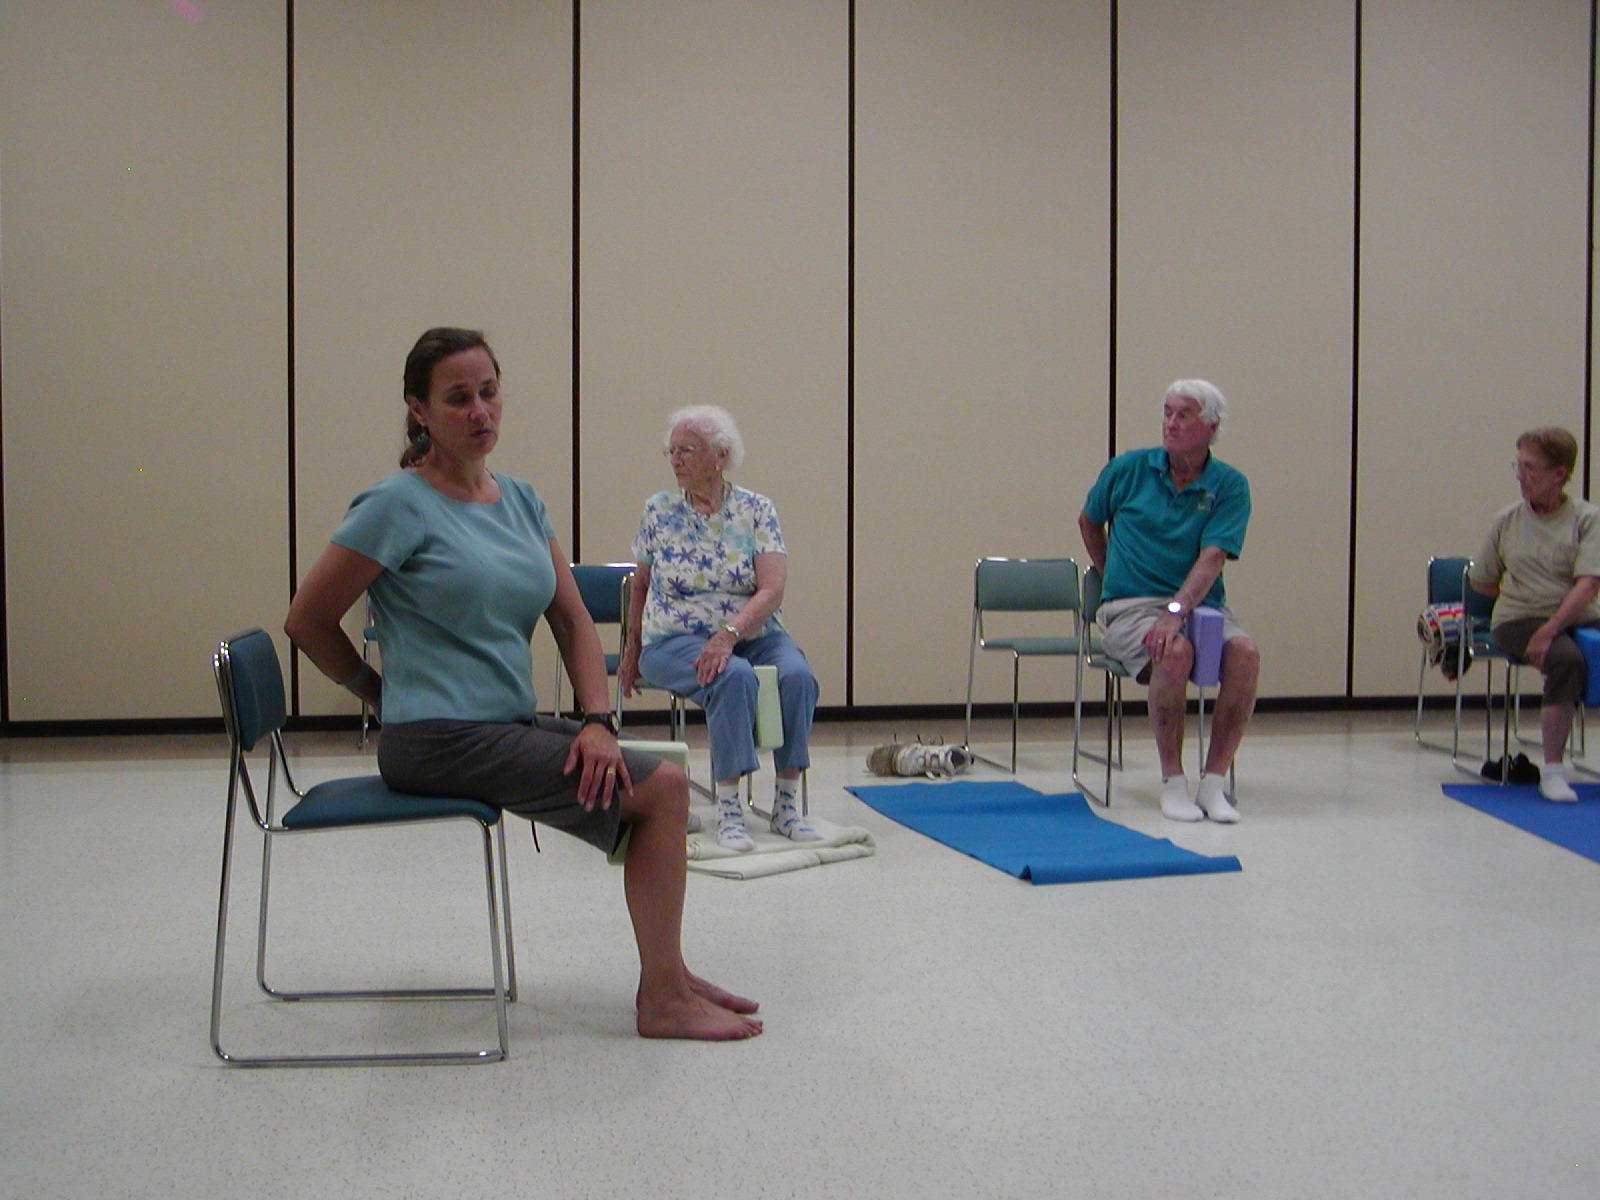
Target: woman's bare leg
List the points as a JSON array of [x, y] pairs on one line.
[[672, 1003]]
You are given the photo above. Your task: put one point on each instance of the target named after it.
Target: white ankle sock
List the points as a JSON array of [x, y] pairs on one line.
[[1175, 802], [731, 833], [1212, 799], [1553, 783], [786, 819]]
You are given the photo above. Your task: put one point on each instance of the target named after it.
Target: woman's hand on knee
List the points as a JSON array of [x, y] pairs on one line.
[[604, 775]]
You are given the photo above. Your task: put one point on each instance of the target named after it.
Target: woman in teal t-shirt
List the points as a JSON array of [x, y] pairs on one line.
[[460, 563]]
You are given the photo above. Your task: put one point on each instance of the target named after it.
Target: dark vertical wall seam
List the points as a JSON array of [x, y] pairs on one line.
[[1588, 266], [576, 549], [1111, 298], [1355, 369], [850, 364], [290, 430]]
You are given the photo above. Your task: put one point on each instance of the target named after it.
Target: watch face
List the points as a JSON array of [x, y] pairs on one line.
[[1174, 608]]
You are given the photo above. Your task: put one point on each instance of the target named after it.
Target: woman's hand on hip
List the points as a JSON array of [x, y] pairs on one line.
[[596, 754]]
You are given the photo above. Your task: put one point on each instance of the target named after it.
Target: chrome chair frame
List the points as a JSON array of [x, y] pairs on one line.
[[253, 707], [1026, 585]]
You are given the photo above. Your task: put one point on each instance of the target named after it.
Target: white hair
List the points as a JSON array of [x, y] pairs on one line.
[[715, 424], [1213, 404]]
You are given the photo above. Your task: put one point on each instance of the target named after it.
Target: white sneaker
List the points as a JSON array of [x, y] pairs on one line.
[[919, 758]]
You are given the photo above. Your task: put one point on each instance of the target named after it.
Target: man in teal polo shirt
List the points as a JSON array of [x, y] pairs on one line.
[[1160, 523]]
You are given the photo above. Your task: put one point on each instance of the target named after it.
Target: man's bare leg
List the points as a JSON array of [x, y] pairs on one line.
[[671, 1002], [1236, 700], [1169, 685]]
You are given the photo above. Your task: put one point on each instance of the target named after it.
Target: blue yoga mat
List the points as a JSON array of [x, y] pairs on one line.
[[1044, 839], [1574, 827]]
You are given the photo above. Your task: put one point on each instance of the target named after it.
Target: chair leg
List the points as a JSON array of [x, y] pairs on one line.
[[1016, 704], [501, 954]]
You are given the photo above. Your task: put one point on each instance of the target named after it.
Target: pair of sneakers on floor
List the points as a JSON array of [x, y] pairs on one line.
[[785, 820], [1210, 800]]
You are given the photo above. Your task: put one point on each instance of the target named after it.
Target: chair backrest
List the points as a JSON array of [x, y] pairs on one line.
[[1091, 592], [1026, 585], [600, 586], [250, 686], [1474, 603], [1445, 580]]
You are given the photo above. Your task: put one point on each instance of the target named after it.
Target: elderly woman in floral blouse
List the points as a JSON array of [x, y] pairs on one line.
[[704, 611]]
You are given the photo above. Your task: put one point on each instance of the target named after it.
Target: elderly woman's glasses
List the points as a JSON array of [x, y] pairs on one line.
[[681, 451]]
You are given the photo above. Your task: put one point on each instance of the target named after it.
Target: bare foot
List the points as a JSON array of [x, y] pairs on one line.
[[698, 1020], [721, 997]]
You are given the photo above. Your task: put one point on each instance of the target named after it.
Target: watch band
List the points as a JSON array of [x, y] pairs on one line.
[[602, 718], [731, 629]]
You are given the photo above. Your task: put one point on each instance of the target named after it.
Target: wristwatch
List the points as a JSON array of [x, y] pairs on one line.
[[602, 718], [1175, 608], [732, 630]]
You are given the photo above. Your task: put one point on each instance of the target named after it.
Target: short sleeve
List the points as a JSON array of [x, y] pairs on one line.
[[383, 524], [1587, 561], [1230, 517], [1097, 504], [644, 538], [1488, 566], [764, 522]]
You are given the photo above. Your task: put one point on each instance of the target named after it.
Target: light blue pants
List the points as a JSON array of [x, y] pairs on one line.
[[730, 699]]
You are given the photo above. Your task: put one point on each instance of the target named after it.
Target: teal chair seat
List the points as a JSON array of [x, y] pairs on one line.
[[367, 800]]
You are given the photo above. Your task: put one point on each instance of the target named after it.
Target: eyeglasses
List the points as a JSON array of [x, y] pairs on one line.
[[1521, 469], [680, 451]]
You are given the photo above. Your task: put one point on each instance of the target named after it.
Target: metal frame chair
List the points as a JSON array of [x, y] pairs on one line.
[[1477, 610], [1097, 659], [249, 680], [603, 588], [1026, 585]]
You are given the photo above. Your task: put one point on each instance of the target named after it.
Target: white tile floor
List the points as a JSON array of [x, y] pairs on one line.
[[1397, 997]]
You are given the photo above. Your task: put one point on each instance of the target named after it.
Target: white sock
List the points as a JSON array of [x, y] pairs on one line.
[[1212, 799], [1175, 802], [786, 818], [731, 833], [1553, 783]]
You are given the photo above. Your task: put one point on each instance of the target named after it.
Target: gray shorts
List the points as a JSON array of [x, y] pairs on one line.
[[1123, 623], [515, 766]]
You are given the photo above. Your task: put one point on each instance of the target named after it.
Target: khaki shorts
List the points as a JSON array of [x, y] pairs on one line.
[[1123, 623]]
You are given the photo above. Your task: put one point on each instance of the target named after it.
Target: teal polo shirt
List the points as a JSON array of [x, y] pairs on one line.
[[1155, 532]]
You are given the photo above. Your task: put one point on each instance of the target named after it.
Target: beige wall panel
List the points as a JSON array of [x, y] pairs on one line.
[[1472, 289], [144, 349], [432, 187], [981, 321], [713, 242], [1234, 265]]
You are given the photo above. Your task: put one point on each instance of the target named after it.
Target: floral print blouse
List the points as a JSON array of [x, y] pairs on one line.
[[703, 569]]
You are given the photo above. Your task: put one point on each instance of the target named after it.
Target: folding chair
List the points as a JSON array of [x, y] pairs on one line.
[[1025, 585], [604, 590], [250, 686]]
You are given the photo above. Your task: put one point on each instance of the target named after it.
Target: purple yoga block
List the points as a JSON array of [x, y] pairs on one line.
[[1589, 642], [1204, 630]]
